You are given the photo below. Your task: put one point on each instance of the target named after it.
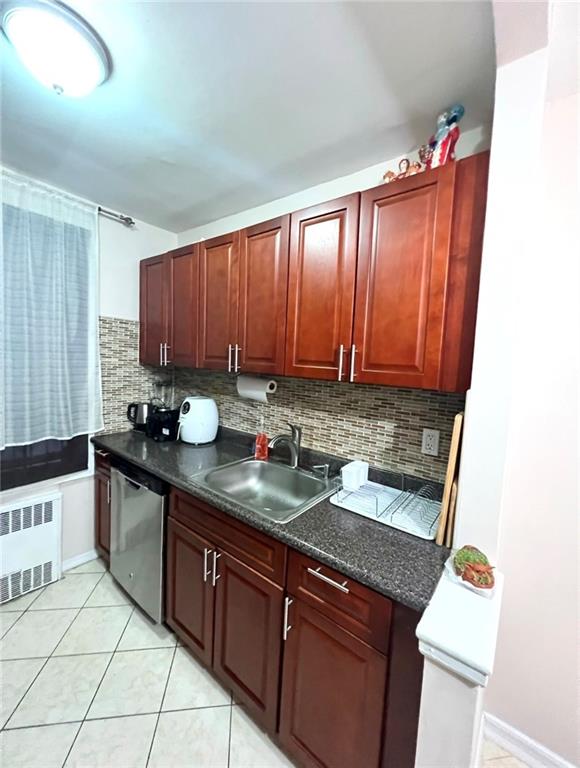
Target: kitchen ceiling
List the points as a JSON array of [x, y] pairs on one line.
[[213, 108]]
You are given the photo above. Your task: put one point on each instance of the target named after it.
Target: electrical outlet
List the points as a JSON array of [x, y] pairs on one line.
[[430, 443]]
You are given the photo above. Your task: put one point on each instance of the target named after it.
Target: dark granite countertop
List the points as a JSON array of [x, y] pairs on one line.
[[396, 564]]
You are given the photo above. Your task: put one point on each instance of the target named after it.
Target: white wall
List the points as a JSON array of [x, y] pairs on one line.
[[121, 249], [469, 143], [519, 492]]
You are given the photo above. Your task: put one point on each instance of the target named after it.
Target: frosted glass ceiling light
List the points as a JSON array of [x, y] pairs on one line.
[[57, 46]]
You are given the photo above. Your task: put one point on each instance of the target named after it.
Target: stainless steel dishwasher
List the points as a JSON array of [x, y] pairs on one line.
[[137, 529]]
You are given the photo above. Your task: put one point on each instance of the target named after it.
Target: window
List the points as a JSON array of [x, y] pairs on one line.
[[49, 367]]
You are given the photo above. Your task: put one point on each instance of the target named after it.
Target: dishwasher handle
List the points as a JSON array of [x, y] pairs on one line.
[[133, 483]]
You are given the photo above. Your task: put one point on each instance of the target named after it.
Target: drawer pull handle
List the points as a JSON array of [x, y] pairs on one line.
[[104, 454], [206, 553], [286, 627], [342, 587]]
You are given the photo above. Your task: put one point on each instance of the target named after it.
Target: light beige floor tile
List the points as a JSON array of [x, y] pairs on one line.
[[142, 633], [191, 686], [21, 603], [36, 634], [491, 751], [68, 592], [15, 677], [7, 620], [193, 737], [62, 692], [93, 566], [95, 630], [107, 593], [121, 742], [249, 746], [134, 684], [45, 747]]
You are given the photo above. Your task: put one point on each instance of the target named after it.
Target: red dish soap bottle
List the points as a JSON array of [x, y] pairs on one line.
[[261, 453]]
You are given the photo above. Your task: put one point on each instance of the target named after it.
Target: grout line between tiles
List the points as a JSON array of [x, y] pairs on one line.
[[161, 707], [98, 686], [230, 728]]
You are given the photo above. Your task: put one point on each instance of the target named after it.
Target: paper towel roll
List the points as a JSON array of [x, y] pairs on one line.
[[253, 388]]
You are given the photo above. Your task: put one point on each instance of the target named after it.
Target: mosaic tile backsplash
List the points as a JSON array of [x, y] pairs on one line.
[[381, 425]]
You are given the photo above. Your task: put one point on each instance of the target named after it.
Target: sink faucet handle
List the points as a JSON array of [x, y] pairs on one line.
[[296, 432]]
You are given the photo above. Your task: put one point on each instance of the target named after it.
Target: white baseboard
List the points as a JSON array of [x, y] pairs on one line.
[[85, 557], [521, 746]]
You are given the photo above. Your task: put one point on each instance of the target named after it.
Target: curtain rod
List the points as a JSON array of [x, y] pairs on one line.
[[126, 220]]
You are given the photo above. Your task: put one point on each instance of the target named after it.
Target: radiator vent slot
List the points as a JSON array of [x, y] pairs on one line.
[[30, 536]]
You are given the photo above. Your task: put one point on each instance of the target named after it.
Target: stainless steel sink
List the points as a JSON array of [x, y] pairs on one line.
[[272, 490]]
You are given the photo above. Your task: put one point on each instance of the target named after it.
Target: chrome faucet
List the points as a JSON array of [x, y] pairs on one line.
[[292, 441]]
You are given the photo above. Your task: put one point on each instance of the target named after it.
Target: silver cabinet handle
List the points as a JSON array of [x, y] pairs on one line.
[[352, 355], [206, 553], [215, 575], [160, 353], [104, 454], [166, 348], [236, 365], [340, 359], [229, 358], [285, 626], [108, 491], [342, 587]]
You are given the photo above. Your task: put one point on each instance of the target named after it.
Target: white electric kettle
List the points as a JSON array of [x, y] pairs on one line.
[[198, 420]]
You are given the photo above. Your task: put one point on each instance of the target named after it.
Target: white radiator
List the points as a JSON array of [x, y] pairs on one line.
[[30, 549]]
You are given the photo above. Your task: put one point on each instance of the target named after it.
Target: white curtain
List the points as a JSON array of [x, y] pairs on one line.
[[49, 357]]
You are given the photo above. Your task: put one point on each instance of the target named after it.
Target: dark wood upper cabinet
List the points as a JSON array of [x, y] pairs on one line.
[[190, 595], [152, 309], [333, 690], [262, 296], [418, 275], [323, 247], [247, 643], [218, 300], [405, 233], [183, 279]]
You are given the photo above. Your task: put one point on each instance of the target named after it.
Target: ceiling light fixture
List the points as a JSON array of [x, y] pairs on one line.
[[57, 46]]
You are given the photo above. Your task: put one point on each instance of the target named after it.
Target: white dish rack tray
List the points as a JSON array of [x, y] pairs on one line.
[[416, 512]]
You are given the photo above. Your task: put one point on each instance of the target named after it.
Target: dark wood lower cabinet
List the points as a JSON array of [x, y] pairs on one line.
[[247, 637], [190, 594], [103, 509], [333, 690]]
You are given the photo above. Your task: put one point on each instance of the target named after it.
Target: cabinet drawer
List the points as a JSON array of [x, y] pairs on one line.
[[102, 462], [262, 553], [358, 609]]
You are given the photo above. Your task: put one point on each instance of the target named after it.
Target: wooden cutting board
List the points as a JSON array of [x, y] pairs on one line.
[[450, 477], [451, 516]]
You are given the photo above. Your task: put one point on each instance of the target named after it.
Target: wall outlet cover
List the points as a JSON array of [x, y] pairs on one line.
[[430, 442]]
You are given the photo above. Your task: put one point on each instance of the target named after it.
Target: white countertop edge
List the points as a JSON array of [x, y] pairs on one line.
[[459, 629]]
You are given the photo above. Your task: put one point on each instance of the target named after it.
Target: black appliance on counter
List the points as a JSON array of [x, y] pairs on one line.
[[162, 423]]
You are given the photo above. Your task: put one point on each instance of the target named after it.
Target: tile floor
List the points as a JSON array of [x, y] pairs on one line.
[[87, 681]]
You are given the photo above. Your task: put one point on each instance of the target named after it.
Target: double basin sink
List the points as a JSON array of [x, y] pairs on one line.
[[272, 490]]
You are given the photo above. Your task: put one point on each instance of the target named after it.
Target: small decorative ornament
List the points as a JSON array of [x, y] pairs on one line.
[[440, 148], [406, 168]]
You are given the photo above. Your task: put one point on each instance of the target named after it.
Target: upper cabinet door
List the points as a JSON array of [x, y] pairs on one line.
[[183, 270], [323, 245], [218, 300], [404, 245], [263, 292], [152, 309]]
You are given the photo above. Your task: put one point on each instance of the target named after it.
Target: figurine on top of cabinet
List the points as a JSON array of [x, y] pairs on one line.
[[406, 168], [440, 148]]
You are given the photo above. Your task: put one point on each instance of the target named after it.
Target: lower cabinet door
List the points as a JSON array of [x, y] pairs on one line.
[[333, 691], [189, 592], [103, 513], [247, 640]]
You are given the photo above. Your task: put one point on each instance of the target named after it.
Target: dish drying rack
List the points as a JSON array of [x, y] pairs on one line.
[[416, 512]]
